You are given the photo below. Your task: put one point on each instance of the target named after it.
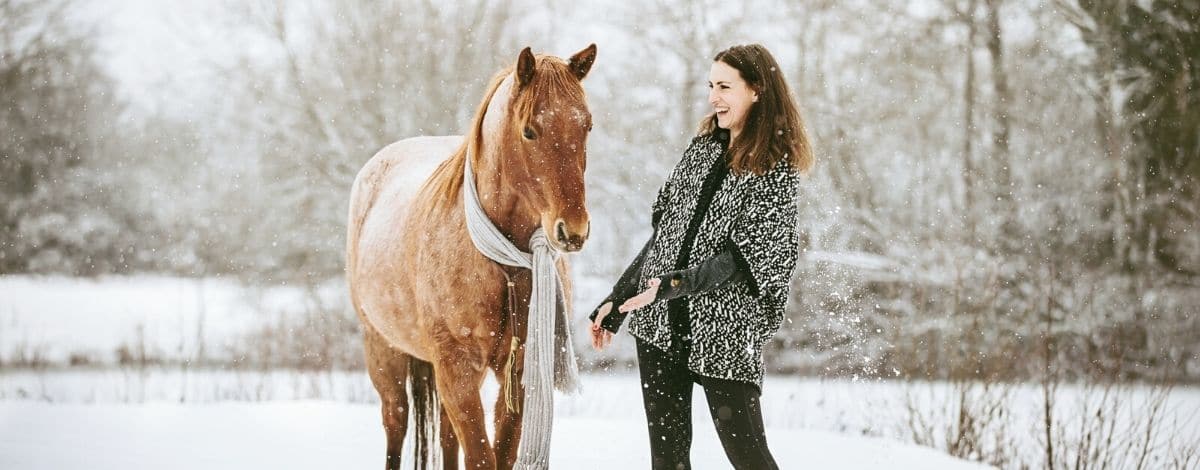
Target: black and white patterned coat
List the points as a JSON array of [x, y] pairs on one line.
[[756, 215]]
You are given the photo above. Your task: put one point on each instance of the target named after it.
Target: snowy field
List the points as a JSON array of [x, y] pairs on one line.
[[184, 417], [324, 435], [855, 424], [160, 418], [173, 318]]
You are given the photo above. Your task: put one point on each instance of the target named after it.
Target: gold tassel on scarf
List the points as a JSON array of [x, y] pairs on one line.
[[511, 399]]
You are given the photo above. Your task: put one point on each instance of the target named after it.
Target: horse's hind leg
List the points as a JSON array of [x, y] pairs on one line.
[[388, 369], [449, 443]]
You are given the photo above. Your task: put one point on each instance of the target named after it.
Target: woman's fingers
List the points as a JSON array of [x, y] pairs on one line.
[[601, 338], [637, 301], [643, 299], [602, 312]]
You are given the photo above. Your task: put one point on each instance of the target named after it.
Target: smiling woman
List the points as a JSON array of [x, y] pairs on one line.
[[718, 265], [750, 94]]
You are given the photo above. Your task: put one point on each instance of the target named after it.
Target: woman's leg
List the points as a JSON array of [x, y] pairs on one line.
[[737, 414], [667, 396]]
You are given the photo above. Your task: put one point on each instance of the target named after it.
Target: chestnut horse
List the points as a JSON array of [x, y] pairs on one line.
[[433, 309]]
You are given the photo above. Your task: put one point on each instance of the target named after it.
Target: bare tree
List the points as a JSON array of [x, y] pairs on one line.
[[60, 210], [966, 15], [1003, 97], [349, 79], [1142, 74]]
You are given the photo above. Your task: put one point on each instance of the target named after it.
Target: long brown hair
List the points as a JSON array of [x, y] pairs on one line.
[[774, 129]]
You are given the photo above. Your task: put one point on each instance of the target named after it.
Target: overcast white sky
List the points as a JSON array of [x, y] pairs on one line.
[[160, 52]]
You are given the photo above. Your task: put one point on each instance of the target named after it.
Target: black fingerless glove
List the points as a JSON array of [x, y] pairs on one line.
[[612, 321]]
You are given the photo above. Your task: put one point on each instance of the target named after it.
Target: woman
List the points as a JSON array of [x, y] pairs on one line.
[[718, 265]]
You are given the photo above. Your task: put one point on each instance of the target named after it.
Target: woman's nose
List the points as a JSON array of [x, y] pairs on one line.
[[712, 96]]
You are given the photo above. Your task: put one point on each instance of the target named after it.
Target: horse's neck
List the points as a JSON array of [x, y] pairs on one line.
[[498, 194]]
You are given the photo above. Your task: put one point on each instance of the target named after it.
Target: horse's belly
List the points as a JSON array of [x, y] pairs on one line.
[[385, 275]]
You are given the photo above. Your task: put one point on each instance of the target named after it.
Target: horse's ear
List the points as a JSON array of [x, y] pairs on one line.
[[525, 68], [582, 61]]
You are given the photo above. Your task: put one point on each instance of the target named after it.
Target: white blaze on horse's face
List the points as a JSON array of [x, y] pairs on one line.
[[551, 140]]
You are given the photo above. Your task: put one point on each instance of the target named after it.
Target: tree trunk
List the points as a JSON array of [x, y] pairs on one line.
[[1000, 135], [969, 123]]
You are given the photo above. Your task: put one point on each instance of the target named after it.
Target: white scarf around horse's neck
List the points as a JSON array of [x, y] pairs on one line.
[[539, 371]]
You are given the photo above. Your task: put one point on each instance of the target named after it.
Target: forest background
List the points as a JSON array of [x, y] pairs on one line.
[[1005, 189]]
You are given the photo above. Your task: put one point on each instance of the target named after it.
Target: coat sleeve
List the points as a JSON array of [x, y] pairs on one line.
[[764, 236], [714, 273], [626, 287]]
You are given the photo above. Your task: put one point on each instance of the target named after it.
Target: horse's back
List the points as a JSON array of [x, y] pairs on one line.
[[407, 164], [414, 159], [389, 182]]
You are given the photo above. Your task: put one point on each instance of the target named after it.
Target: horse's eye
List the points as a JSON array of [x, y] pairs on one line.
[[529, 133]]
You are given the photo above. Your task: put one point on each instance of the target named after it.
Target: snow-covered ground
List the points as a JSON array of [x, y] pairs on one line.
[[54, 317], [868, 419], [324, 434], [184, 417]]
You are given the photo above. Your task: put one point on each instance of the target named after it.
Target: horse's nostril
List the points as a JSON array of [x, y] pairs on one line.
[[560, 231]]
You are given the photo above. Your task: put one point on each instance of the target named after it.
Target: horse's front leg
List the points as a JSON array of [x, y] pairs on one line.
[[460, 369], [508, 421]]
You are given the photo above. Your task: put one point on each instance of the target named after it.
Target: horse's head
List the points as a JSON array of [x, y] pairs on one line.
[[544, 135]]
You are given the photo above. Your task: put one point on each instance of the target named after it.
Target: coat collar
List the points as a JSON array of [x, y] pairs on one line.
[[720, 136]]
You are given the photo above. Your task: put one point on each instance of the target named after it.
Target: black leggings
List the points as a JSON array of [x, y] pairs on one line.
[[667, 396]]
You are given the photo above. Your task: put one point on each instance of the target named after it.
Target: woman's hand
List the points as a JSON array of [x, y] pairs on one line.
[[601, 337], [641, 300]]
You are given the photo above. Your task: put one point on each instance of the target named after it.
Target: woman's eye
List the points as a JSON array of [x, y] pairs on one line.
[[529, 133]]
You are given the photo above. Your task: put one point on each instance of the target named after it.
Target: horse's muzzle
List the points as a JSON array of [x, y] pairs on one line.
[[568, 241]]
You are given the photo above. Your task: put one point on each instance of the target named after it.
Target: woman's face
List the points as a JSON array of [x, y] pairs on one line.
[[730, 96]]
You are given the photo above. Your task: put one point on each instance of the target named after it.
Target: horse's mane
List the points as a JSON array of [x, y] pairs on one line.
[[552, 76], [446, 181]]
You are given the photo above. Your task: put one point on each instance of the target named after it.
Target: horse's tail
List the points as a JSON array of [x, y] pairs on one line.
[[426, 410]]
